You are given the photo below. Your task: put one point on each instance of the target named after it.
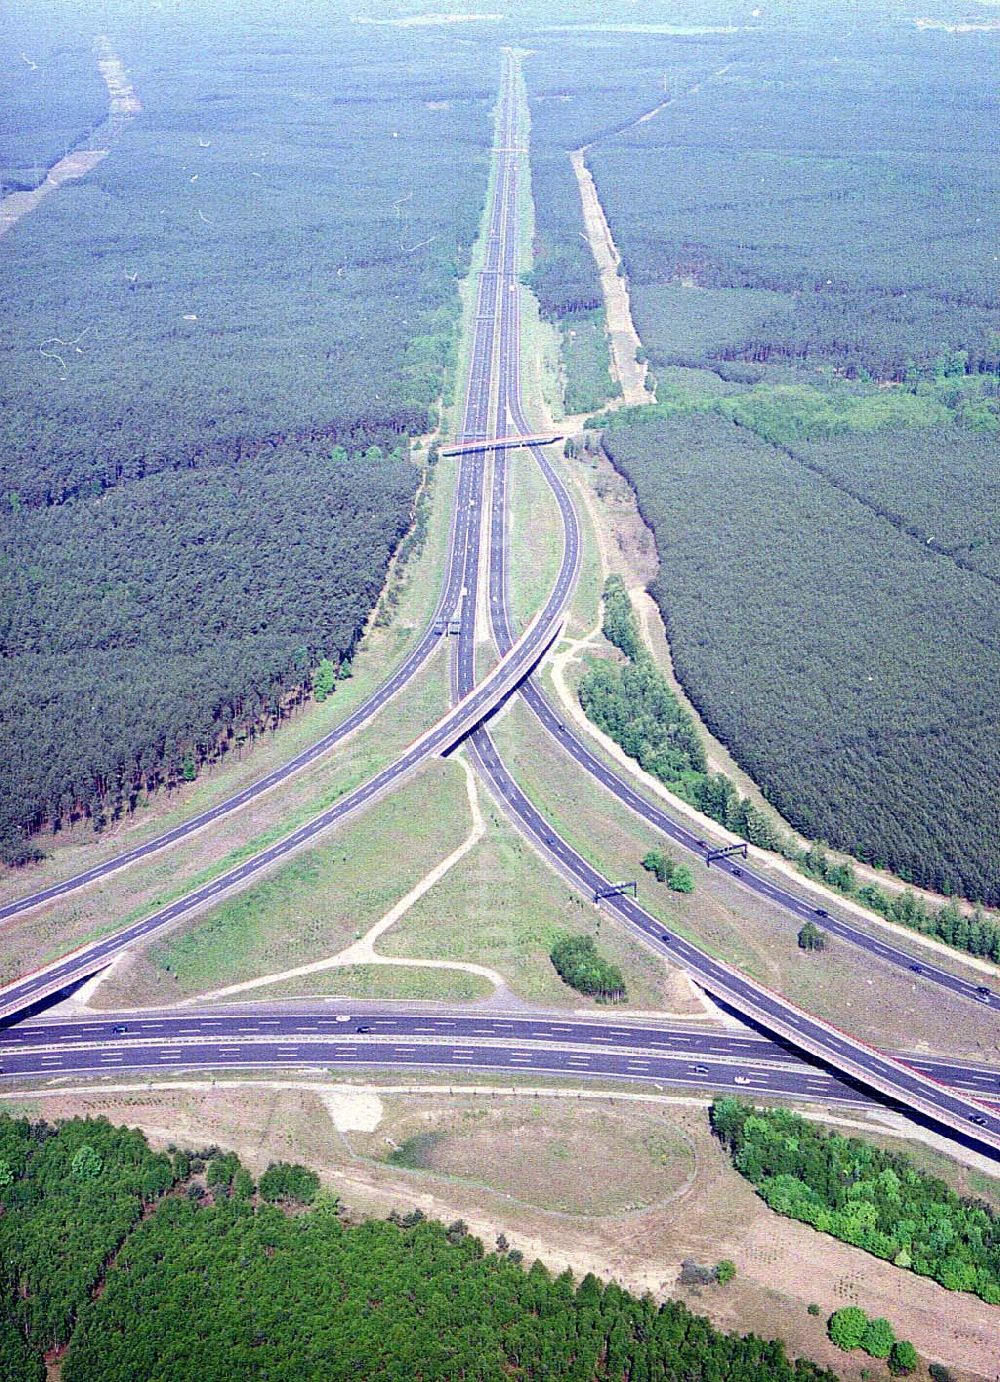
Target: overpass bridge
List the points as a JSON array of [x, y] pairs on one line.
[[463, 448]]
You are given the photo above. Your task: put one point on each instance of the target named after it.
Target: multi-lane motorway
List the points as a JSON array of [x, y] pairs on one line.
[[326, 1035], [496, 355], [479, 422], [475, 425]]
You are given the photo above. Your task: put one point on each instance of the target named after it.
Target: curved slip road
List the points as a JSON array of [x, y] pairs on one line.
[[908, 1084], [474, 426]]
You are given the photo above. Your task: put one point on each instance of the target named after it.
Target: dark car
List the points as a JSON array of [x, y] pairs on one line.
[[700, 1069], [664, 936], [737, 873], [120, 1030], [978, 1119], [916, 969], [822, 912], [983, 994], [363, 1029]]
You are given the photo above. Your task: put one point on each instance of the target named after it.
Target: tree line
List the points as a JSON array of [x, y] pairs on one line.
[[640, 724], [847, 664], [876, 1200], [813, 187], [156, 1265]]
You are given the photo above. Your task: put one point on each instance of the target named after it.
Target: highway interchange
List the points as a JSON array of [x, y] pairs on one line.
[[495, 355]]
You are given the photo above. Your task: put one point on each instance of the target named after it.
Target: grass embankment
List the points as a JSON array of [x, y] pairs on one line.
[[314, 906], [377, 983], [502, 907], [535, 536], [879, 1003]]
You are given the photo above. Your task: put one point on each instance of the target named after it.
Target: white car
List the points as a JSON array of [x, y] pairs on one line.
[[740, 1079]]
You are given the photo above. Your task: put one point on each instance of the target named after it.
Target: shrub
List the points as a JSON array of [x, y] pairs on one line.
[[725, 1271], [579, 965], [682, 880], [846, 1327], [811, 937], [903, 1358], [284, 1181], [878, 1338]]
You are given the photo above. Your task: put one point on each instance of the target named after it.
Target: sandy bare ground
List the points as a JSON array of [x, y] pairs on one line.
[[123, 103], [74, 165], [121, 93], [628, 370], [782, 1265], [624, 339]]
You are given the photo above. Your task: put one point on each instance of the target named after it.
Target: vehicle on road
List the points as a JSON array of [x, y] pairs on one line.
[[822, 912], [740, 1079], [120, 1029], [983, 993], [362, 1029], [978, 1119], [916, 969]]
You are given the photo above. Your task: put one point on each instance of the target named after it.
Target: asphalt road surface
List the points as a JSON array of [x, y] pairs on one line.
[[544, 1044], [26, 992]]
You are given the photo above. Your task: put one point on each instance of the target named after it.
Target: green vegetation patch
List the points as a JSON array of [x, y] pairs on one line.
[[69, 1196], [789, 175], [874, 1199], [636, 706], [585, 355], [53, 92], [321, 900], [263, 1291], [579, 964]]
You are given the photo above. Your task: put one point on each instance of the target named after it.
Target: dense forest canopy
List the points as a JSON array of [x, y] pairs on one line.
[[51, 91], [850, 665], [855, 177], [215, 1284], [217, 347], [813, 219]]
